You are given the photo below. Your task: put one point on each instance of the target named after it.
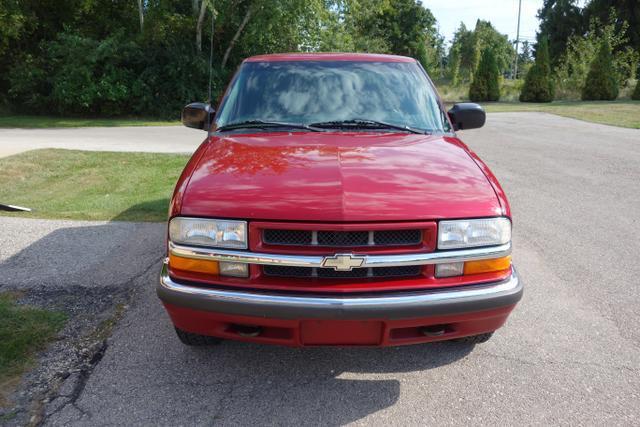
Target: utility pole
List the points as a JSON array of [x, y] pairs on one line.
[[515, 72]]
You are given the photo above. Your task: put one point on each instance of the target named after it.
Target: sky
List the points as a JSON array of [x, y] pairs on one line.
[[503, 14]]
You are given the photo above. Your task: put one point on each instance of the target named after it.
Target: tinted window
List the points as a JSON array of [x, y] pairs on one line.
[[319, 91]]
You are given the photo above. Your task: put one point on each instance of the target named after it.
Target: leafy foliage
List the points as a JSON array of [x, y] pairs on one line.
[[110, 58], [538, 84], [601, 83], [462, 55], [113, 76], [628, 10], [559, 21], [467, 45], [636, 93], [525, 59], [571, 72], [401, 27], [486, 85]]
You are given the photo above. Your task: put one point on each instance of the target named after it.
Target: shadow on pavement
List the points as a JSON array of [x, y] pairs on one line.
[[280, 385], [153, 210], [74, 255], [147, 374]]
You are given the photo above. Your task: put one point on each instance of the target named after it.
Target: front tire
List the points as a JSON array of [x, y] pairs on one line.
[[475, 339], [187, 338]]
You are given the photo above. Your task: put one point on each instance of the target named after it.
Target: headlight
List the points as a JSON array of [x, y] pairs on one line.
[[473, 232], [209, 232]]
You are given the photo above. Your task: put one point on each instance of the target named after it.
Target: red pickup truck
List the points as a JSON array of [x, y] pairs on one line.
[[333, 204]]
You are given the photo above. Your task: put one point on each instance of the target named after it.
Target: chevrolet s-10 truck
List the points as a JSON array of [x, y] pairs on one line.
[[332, 203]]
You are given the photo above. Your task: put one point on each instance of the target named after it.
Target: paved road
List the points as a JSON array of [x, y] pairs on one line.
[[161, 139], [569, 354]]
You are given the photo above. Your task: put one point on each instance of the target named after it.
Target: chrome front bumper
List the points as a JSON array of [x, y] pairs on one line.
[[458, 255], [388, 305]]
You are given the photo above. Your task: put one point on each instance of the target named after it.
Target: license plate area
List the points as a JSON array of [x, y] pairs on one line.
[[341, 332]]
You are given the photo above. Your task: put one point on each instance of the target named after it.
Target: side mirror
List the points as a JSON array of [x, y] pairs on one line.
[[467, 115], [198, 115]]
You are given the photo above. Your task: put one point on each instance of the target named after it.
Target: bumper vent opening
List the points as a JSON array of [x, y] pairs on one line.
[[327, 273]]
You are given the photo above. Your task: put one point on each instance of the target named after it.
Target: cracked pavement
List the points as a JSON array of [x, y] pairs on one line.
[[568, 355]]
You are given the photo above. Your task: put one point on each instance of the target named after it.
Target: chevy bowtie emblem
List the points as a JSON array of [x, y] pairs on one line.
[[343, 262]]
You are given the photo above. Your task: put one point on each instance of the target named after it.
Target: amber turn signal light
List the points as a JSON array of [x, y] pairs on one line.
[[195, 265], [487, 265]]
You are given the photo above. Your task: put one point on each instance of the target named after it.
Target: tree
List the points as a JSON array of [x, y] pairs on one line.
[[601, 83], [525, 59], [454, 64], [12, 22], [636, 93], [486, 85], [401, 27], [125, 57], [409, 29], [560, 20], [467, 46], [463, 52], [627, 10], [488, 37], [234, 40], [571, 72], [538, 84], [201, 15], [141, 14]]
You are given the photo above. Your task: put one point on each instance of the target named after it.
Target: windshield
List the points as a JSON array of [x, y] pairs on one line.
[[307, 92]]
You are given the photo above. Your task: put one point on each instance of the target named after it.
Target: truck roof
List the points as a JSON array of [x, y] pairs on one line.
[[363, 57]]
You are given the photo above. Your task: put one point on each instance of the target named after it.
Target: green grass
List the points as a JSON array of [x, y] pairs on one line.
[[615, 113], [622, 112], [34, 122], [86, 185], [23, 331]]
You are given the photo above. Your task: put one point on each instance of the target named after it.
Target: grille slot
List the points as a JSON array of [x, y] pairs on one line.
[[327, 273], [397, 237], [287, 237], [342, 239]]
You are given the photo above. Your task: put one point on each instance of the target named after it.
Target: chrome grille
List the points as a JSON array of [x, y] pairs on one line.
[[342, 239], [398, 237], [287, 237], [327, 273]]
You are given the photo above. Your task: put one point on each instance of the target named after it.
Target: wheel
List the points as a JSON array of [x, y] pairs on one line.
[[475, 339], [188, 338]]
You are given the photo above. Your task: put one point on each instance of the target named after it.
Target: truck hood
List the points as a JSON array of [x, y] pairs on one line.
[[338, 177]]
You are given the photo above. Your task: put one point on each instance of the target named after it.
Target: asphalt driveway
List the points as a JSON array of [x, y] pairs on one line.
[[569, 354]]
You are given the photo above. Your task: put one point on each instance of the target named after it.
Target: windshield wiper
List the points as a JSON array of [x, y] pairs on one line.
[[365, 123], [248, 124]]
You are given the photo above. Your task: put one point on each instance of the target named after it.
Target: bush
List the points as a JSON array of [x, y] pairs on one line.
[[636, 93], [486, 85], [116, 76], [571, 73], [602, 82], [538, 84]]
